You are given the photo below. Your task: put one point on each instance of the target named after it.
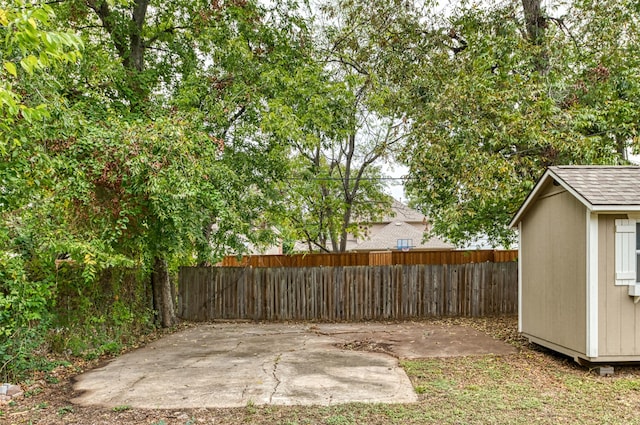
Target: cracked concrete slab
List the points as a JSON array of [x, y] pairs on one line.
[[235, 364]]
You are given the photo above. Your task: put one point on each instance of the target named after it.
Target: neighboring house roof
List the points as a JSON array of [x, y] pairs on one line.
[[387, 238], [402, 212], [598, 187], [403, 223]]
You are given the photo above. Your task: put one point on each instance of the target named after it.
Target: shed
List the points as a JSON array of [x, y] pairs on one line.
[[579, 254]]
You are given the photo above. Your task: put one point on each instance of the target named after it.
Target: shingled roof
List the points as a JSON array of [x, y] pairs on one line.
[[402, 212], [602, 185], [387, 238], [598, 187]]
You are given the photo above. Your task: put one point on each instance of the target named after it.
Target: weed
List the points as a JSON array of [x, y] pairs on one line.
[[420, 369], [42, 405], [251, 407], [627, 385], [442, 384], [421, 389], [31, 393], [339, 420], [64, 410], [50, 379], [122, 408], [530, 404], [91, 355]]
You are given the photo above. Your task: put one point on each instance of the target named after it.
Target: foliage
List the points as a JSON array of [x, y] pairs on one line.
[[333, 179], [494, 108], [177, 165], [147, 146], [341, 118], [29, 49], [162, 160], [24, 316], [92, 319], [153, 150]]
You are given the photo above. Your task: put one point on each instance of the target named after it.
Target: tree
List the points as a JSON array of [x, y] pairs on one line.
[[344, 122], [160, 155], [510, 90], [334, 176]]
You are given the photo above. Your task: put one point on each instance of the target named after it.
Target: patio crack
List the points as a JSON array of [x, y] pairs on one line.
[[274, 371]]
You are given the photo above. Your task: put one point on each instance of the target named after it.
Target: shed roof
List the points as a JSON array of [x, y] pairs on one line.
[[601, 188], [603, 185]]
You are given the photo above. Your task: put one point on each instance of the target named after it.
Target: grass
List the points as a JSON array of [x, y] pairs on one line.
[[529, 387]]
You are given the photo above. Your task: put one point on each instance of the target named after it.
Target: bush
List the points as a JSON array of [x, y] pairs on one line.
[[24, 316], [101, 317], [62, 312]]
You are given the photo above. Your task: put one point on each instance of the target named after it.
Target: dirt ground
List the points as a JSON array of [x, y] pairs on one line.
[[48, 397]]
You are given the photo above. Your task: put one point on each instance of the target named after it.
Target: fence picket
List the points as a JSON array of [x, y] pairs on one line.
[[348, 292]]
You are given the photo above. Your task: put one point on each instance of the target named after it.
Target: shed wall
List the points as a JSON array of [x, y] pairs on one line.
[[553, 261], [618, 318]]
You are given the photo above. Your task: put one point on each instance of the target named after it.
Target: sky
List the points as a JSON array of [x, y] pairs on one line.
[[395, 188]]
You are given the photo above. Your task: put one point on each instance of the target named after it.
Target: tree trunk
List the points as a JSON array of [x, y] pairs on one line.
[[534, 20], [621, 146], [346, 220], [536, 24], [163, 294]]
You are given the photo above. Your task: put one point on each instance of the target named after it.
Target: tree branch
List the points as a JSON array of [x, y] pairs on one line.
[[101, 8], [455, 36], [159, 34], [233, 119], [563, 27]]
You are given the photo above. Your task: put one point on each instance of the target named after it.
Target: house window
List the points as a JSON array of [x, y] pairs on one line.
[[405, 244]]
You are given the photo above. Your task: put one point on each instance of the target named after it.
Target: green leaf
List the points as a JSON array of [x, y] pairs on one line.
[[30, 64], [11, 68]]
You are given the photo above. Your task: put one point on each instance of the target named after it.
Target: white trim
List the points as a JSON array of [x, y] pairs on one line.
[[592, 284], [634, 291], [615, 209], [520, 277], [572, 191], [549, 174]]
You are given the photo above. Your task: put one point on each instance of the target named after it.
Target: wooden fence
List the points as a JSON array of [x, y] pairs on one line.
[[348, 293], [377, 258]]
